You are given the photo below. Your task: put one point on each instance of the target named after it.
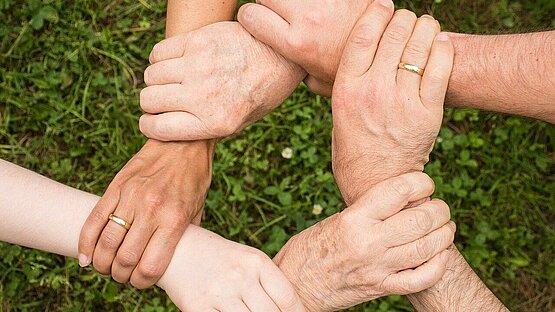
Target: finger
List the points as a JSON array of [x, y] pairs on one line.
[[156, 257], [423, 249], [173, 47], [95, 223], [437, 73], [258, 300], [390, 196], [364, 39], [393, 42], [280, 290], [282, 7], [266, 26], [175, 126], [167, 98], [414, 223], [415, 280], [131, 250], [164, 72], [318, 87], [416, 53], [235, 306], [111, 238]]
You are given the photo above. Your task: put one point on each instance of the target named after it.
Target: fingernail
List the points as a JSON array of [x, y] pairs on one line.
[[428, 16], [443, 37], [387, 3], [83, 260], [453, 225]]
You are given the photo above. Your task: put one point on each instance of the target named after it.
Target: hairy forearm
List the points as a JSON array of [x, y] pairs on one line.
[[459, 290], [505, 73]]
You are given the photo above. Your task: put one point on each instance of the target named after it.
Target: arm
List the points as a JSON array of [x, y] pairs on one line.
[[507, 73], [40, 213], [389, 131], [160, 190]]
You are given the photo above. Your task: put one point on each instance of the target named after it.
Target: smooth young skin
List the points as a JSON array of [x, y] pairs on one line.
[[405, 125], [372, 249], [241, 278], [161, 190], [506, 73]]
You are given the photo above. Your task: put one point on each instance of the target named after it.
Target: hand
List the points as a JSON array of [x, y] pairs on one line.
[[372, 249], [311, 33], [212, 83], [160, 190], [385, 119], [209, 273]]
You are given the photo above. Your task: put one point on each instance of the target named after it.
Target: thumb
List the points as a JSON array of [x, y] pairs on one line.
[[266, 26], [390, 196]]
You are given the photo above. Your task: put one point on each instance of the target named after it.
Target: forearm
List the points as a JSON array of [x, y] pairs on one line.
[[40, 213], [505, 73], [184, 16], [187, 15], [460, 289]]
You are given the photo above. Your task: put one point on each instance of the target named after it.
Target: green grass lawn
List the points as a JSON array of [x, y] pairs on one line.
[[70, 75]]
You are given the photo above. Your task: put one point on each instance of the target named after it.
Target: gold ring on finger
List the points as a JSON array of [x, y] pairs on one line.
[[412, 68], [119, 221]]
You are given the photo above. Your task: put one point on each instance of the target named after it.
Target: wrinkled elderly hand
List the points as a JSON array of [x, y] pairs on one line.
[[311, 33], [159, 191], [212, 83], [386, 119], [373, 248], [210, 273]]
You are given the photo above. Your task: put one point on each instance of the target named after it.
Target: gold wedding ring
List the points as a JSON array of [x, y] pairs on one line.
[[119, 221], [411, 68]]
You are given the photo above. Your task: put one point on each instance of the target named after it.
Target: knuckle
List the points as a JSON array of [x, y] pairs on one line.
[[127, 258], [98, 216], [422, 221], [396, 34], [256, 258], [423, 250], [297, 44], [400, 187], [363, 36], [109, 239], [417, 49], [150, 271], [443, 207]]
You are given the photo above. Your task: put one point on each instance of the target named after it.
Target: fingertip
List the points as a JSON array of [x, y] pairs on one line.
[[246, 13], [387, 3], [84, 260]]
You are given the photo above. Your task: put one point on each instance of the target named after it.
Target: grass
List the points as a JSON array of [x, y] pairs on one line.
[[70, 73]]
